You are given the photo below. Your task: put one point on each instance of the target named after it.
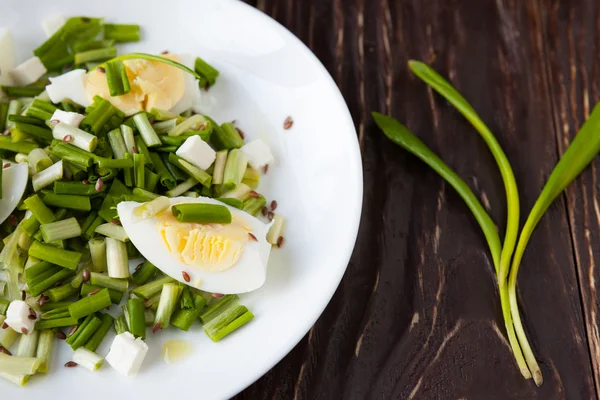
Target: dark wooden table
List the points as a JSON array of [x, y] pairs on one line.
[[416, 315]]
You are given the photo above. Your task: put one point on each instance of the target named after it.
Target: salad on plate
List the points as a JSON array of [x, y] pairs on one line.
[[123, 207]]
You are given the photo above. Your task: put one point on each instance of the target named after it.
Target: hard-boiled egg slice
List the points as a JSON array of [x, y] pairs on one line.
[[218, 258], [192, 93], [14, 181], [154, 84]]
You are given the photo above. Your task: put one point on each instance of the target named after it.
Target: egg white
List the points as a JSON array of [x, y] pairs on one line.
[[248, 274], [14, 181]]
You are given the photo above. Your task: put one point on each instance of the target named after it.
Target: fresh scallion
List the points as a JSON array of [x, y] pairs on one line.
[[116, 258], [202, 213]]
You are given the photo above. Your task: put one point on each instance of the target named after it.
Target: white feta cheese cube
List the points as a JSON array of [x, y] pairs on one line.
[[258, 153], [70, 118], [127, 354], [17, 317], [197, 152], [28, 72], [53, 23], [69, 86]]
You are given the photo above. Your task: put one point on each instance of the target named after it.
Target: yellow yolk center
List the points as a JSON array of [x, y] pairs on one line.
[[212, 247], [153, 85]]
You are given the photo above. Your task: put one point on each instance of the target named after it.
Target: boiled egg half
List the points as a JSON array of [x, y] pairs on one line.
[[154, 84], [14, 182], [218, 258]]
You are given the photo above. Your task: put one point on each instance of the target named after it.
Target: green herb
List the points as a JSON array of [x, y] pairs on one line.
[[401, 136]]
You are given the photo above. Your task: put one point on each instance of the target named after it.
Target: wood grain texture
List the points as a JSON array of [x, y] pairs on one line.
[[417, 315]]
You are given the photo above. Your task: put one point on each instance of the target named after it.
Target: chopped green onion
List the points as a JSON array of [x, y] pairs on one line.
[[121, 325], [87, 359], [163, 115], [73, 202], [40, 285], [75, 136], [76, 188], [61, 292], [146, 130], [276, 230], [56, 323], [168, 301], [253, 205], [27, 120], [41, 133], [201, 176], [219, 169], [224, 316], [64, 258], [14, 108], [94, 342], [166, 178], [225, 136], [102, 116], [37, 269], [116, 76], [73, 155], [184, 318], [21, 147], [192, 123], [44, 349], [105, 281], [86, 332], [122, 32], [41, 110], [113, 231], [19, 365], [231, 201], [18, 91], [235, 167], [3, 306], [47, 176], [80, 47], [117, 144], [182, 187], [128, 138], [144, 273], [91, 304], [202, 213], [3, 116], [95, 55], [143, 193], [98, 253], [60, 230], [137, 322], [163, 127], [39, 210], [115, 295], [138, 170], [38, 160], [78, 329], [7, 336], [116, 258], [207, 72], [152, 288], [28, 344]]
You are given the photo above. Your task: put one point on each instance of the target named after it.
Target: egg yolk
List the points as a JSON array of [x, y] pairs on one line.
[[211, 247], [153, 85]]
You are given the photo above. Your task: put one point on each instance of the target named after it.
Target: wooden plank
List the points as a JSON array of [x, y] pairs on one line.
[[572, 44], [416, 315]]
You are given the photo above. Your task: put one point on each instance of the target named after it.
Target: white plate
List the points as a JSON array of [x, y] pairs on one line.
[[266, 75]]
